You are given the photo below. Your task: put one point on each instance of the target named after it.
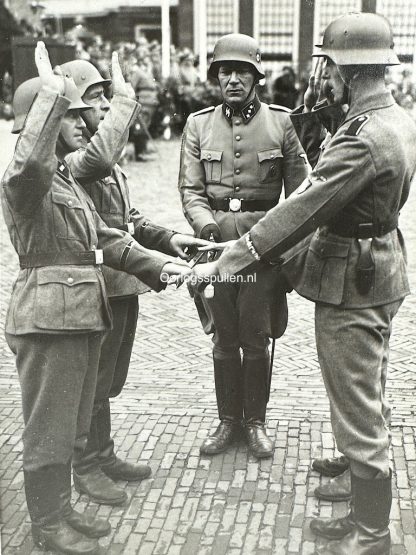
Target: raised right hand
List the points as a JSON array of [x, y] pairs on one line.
[[120, 86], [47, 76], [314, 91]]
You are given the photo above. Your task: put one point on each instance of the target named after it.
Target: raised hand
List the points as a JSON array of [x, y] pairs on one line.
[[314, 91], [47, 76], [120, 86]]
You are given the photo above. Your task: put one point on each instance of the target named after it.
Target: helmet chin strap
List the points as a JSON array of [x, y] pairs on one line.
[[348, 86]]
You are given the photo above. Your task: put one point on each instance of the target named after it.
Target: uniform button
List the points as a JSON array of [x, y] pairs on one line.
[[209, 156], [237, 122], [237, 188], [237, 171], [70, 280], [237, 154], [271, 155], [237, 138], [69, 202]]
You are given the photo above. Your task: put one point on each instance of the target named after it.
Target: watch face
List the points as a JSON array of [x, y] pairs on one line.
[[235, 204]]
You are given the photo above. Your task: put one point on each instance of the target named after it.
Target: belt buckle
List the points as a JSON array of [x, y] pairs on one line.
[[99, 258], [130, 228], [234, 204]]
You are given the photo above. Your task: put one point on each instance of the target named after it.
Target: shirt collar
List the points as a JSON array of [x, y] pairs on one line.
[[246, 113]]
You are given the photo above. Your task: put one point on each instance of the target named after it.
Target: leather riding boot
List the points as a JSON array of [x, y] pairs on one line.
[[370, 534], [331, 467], [337, 489], [227, 374], [50, 530], [256, 388]]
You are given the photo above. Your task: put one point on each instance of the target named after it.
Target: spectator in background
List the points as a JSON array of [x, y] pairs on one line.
[[146, 89], [181, 87], [285, 92]]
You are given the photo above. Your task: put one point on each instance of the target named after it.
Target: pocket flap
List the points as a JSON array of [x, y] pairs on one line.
[[211, 155], [327, 249], [269, 154], [69, 275], [67, 200]]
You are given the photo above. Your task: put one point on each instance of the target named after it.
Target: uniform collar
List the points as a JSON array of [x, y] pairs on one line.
[[368, 102], [247, 113], [63, 169]]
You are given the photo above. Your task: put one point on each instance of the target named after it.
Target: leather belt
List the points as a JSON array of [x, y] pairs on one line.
[[68, 258], [129, 227], [364, 230], [241, 205]]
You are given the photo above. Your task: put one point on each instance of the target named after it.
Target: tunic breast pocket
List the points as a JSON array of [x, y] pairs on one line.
[[270, 163], [212, 160], [325, 269], [110, 198], [67, 298], [68, 216]]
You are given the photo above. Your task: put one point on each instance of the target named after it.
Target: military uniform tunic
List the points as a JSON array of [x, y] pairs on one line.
[[48, 213], [250, 156], [362, 177]]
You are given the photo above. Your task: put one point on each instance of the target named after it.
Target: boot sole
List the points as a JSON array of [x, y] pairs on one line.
[[126, 478], [43, 543], [333, 497], [100, 500]]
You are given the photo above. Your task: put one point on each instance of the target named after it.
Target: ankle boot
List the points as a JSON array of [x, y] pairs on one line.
[[337, 489], [227, 374], [256, 390], [370, 534], [331, 467], [43, 488], [334, 528]]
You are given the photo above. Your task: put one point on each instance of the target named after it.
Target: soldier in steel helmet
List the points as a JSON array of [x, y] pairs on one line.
[[236, 159], [95, 168], [59, 311], [355, 269]]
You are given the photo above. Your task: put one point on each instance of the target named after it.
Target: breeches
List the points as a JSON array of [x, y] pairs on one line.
[[245, 314], [58, 375], [353, 348]]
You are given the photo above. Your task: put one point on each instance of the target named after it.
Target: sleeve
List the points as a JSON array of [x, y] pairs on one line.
[[150, 235], [122, 252], [310, 131], [30, 174], [294, 160], [192, 181], [344, 170], [103, 151]]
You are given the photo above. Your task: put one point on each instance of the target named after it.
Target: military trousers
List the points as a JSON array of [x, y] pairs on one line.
[[245, 314], [58, 376], [112, 374], [353, 349]]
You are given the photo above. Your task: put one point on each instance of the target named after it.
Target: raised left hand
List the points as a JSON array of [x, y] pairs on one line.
[[185, 246]]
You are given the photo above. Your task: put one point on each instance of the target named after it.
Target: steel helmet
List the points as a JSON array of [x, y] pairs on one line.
[[85, 74], [25, 95], [359, 39], [236, 48]]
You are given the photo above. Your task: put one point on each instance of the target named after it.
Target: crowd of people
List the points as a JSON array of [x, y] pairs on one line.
[[166, 103]]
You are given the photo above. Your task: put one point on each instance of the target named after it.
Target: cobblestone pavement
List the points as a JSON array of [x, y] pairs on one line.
[[229, 504]]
